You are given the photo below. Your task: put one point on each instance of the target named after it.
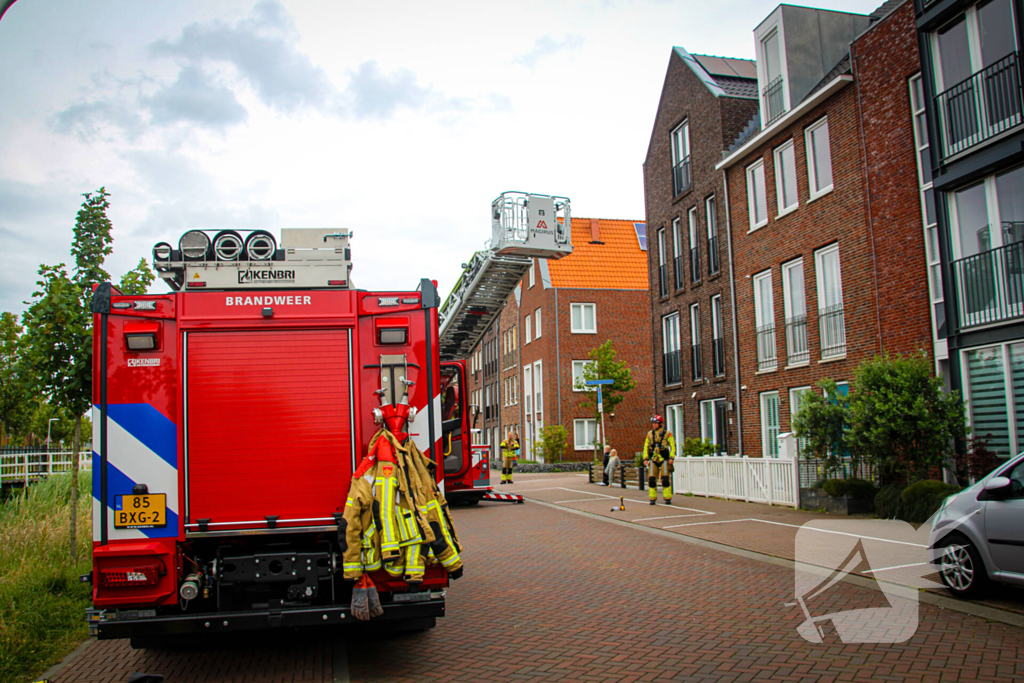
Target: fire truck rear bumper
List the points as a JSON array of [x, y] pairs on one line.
[[127, 624]]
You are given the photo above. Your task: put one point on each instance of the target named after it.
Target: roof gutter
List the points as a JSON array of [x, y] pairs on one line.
[[831, 88]]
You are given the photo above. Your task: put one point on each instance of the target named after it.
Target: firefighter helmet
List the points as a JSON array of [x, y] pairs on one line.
[[659, 419]]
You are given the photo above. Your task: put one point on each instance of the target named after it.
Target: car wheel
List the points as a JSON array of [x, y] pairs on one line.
[[961, 567]]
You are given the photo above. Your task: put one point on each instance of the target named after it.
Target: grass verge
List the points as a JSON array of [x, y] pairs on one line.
[[42, 602]]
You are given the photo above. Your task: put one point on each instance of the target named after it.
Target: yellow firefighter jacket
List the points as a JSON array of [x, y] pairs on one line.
[[659, 445]]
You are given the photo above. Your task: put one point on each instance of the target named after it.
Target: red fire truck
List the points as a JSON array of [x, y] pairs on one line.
[[229, 416]]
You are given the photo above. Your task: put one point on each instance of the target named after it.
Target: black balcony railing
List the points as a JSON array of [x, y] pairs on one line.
[[980, 107], [681, 176], [712, 255], [797, 349], [678, 263], [673, 367], [766, 355], [990, 285], [694, 264], [832, 328], [663, 280], [718, 355], [695, 361], [774, 106]]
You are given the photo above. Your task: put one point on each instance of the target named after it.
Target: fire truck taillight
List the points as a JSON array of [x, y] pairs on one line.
[[125, 577], [141, 336]]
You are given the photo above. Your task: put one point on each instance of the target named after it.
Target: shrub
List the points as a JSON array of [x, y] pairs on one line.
[[889, 502], [819, 484], [552, 443], [853, 487], [923, 498], [696, 448]]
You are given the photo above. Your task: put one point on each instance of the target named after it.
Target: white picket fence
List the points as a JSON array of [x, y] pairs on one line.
[[21, 467], [755, 480]]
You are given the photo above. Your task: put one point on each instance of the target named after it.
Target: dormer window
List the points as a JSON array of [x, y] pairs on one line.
[[773, 104]]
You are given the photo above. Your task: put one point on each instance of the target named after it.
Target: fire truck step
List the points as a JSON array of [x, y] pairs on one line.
[[504, 497]]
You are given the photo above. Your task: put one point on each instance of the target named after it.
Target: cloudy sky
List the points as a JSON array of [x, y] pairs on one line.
[[399, 120]]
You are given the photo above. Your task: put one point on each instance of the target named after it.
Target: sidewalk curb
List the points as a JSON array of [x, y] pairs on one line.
[[71, 656], [929, 598]]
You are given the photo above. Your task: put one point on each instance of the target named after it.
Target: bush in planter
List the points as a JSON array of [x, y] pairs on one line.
[[923, 498], [853, 487], [697, 448], [889, 502]]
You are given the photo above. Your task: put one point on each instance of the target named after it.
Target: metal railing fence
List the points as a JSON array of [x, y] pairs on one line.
[[980, 107], [26, 466], [766, 354], [832, 327], [797, 348], [681, 176]]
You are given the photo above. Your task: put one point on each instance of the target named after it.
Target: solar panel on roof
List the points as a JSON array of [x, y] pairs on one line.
[[641, 234]]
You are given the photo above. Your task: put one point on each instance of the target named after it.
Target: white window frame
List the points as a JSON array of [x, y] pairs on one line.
[[677, 238], [527, 329], [577, 374], [705, 406], [752, 189], [790, 310], [670, 333], [683, 127], [795, 396], [533, 272], [661, 247], [780, 198], [585, 423], [819, 272], [582, 307], [695, 341], [765, 441], [536, 324], [764, 314], [815, 191], [674, 424], [717, 332], [772, 24]]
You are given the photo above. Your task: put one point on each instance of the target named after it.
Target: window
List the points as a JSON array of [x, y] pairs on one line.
[[533, 271], [831, 323], [770, 424], [578, 366], [584, 431], [583, 318], [536, 324], [694, 250], [764, 321], [988, 244], [756, 199], [674, 424], [795, 305], [712, 218], [670, 345], [695, 358], [773, 102], [677, 251], [538, 388], [931, 228], [718, 338], [712, 423], [681, 158], [662, 275], [819, 159], [527, 327], [785, 178], [976, 76], [795, 397], [992, 379]]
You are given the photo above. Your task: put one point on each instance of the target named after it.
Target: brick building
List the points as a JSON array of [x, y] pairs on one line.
[[483, 369], [706, 102], [969, 106], [559, 312], [824, 210]]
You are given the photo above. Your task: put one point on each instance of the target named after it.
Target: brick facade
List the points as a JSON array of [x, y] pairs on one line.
[[714, 123], [875, 220]]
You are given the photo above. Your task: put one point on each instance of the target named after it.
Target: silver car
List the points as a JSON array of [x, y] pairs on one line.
[[978, 534]]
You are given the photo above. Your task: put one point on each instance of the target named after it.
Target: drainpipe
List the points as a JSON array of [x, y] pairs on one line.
[[558, 360], [735, 333]]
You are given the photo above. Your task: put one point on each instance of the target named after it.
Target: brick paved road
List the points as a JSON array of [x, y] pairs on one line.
[[550, 595]]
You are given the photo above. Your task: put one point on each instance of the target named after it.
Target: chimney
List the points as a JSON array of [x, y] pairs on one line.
[[595, 231]]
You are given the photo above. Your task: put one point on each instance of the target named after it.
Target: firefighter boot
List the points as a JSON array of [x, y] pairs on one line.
[[666, 489], [652, 489]]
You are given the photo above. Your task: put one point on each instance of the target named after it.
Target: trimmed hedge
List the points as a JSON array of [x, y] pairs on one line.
[[853, 487], [915, 503]]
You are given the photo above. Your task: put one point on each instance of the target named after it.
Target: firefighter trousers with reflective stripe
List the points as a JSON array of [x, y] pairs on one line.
[[660, 469]]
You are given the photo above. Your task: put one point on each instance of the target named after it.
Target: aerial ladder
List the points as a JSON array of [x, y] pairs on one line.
[[524, 226]]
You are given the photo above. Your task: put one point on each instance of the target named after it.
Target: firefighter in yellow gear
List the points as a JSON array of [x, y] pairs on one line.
[[659, 450], [509, 453]]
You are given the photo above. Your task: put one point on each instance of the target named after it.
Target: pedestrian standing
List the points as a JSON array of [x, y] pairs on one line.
[[659, 450], [604, 465], [509, 453], [613, 464]]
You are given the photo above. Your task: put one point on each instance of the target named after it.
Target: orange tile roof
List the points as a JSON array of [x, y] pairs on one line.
[[618, 263]]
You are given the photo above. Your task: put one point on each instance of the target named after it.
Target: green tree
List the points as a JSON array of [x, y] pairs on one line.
[[901, 419], [823, 422], [15, 389], [552, 443], [59, 325], [138, 279], [604, 366]]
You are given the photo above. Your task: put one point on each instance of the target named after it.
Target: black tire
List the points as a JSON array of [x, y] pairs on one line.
[[960, 565], [473, 501]]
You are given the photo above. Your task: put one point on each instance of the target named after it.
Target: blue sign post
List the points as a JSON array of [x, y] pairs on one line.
[[600, 402]]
